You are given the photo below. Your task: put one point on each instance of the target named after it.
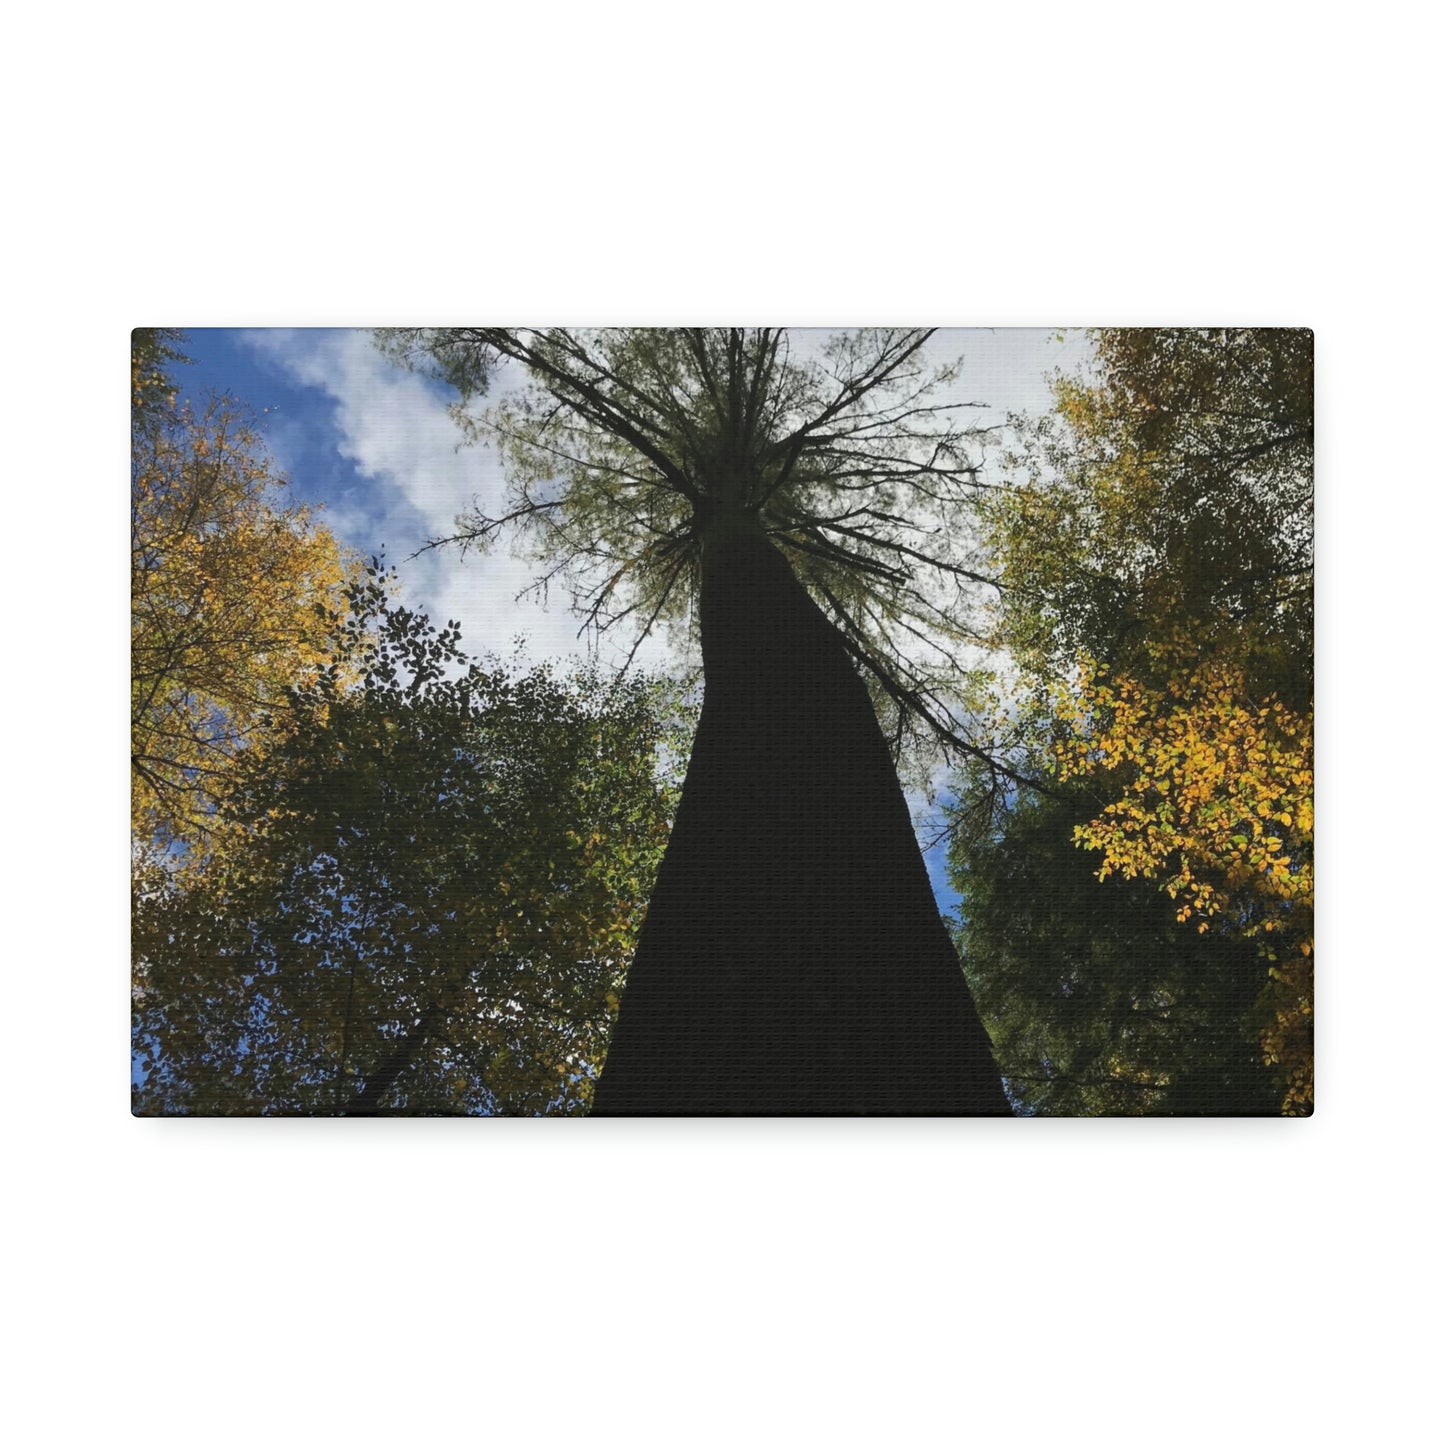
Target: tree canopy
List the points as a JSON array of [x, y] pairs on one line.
[[375, 875], [628, 444], [428, 887], [229, 586], [1156, 563]]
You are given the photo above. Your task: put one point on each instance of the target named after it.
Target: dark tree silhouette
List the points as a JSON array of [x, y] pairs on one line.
[[804, 518]]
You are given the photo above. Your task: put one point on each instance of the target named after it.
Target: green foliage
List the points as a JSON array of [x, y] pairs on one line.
[[424, 892], [1171, 490]]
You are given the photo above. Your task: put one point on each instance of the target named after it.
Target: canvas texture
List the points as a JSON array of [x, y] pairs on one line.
[[722, 721]]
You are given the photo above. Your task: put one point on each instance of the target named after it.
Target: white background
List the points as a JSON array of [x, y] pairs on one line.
[[728, 1281]]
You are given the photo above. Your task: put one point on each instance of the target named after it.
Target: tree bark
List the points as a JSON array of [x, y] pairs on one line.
[[793, 960]]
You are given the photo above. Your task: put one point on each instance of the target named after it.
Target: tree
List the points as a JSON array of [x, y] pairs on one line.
[[226, 583], [1156, 565], [427, 887], [802, 517], [1097, 1001], [1173, 489], [153, 351]]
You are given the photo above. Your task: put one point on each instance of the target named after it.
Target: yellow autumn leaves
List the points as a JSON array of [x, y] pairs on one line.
[[1156, 554], [1220, 787], [1214, 796], [231, 588]]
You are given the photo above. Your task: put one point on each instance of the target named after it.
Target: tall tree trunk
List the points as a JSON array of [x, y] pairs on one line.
[[793, 959]]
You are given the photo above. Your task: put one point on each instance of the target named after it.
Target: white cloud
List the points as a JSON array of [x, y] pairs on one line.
[[394, 427]]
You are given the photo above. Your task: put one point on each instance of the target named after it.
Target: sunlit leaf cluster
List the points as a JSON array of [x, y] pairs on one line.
[[1217, 786]]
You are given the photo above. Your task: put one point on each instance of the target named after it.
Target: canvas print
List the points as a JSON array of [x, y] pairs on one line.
[[722, 721]]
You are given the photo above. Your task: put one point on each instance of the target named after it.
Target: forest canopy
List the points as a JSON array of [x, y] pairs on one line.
[[375, 873]]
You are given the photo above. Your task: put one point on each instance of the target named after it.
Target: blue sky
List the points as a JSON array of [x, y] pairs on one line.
[[375, 448]]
